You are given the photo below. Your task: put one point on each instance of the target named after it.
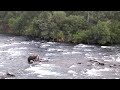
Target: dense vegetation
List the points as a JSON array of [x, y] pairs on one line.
[[90, 27]]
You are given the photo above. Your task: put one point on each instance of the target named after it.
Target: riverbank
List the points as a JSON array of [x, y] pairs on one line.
[[43, 40]]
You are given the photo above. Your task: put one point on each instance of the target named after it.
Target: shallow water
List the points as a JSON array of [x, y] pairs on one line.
[[63, 60]]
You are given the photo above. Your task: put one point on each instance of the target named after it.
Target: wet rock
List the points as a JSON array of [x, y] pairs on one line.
[[89, 64], [79, 63], [97, 62], [102, 64], [91, 61], [114, 65], [6, 75], [10, 75]]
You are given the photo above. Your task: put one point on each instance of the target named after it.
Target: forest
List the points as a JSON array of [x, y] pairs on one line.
[[88, 27]]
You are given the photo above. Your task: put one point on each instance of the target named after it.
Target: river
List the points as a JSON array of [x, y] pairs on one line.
[[65, 61]]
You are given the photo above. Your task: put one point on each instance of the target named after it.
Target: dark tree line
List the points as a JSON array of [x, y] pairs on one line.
[[90, 27]]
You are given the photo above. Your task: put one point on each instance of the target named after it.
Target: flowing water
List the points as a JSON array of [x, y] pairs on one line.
[[65, 61]]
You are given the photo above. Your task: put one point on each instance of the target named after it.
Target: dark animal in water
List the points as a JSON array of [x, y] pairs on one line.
[[35, 58]]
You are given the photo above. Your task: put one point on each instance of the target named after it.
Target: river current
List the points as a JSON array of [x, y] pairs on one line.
[[65, 61]]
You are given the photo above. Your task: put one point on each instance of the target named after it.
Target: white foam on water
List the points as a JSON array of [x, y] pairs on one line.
[[110, 47], [113, 58], [43, 45], [96, 72], [105, 56], [89, 56], [45, 58], [60, 50], [10, 40], [103, 46], [6, 45], [44, 70], [2, 73], [83, 45], [1, 65], [117, 78], [73, 52], [104, 78], [51, 49], [87, 50], [47, 72], [72, 66], [14, 43], [2, 51], [50, 66], [50, 54], [25, 42], [72, 72], [109, 60], [100, 53], [14, 49], [22, 48], [118, 59], [76, 52], [17, 53], [51, 42], [14, 52], [66, 53]]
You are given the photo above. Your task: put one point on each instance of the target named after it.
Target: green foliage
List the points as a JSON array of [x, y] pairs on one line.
[[100, 33], [79, 37], [91, 27]]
